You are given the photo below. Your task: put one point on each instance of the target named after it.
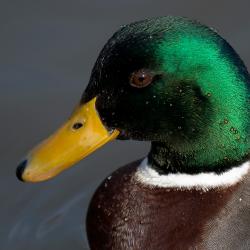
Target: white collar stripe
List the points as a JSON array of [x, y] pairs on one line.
[[203, 181]]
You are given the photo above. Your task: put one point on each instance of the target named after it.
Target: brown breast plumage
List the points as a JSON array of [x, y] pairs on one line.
[[125, 214]]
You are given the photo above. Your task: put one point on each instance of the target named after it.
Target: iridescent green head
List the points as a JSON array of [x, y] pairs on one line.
[[178, 84]]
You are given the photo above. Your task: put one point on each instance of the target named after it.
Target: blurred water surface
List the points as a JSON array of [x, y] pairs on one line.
[[47, 50]]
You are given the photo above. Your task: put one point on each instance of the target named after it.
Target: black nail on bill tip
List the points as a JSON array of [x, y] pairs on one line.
[[20, 169]]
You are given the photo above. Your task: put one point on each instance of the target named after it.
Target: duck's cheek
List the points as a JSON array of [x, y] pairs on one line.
[[82, 134], [107, 111]]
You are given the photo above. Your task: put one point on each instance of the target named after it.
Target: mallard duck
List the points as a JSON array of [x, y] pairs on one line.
[[180, 85]]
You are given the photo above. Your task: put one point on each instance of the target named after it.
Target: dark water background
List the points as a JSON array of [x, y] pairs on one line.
[[47, 50]]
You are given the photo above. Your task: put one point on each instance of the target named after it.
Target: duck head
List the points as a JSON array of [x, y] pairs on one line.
[[168, 80]]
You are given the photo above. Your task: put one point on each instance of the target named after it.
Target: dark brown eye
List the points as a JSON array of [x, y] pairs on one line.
[[141, 78]]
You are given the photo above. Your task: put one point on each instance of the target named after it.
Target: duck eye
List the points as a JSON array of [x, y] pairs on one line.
[[141, 78]]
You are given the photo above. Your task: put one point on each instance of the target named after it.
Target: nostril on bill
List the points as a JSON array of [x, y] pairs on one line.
[[77, 125], [20, 169]]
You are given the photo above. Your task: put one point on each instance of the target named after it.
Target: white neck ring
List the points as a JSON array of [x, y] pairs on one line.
[[202, 181]]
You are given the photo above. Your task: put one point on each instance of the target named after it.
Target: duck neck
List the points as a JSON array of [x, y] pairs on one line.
[[165, 159]]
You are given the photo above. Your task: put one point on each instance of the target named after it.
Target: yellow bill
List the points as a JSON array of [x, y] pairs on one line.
[[82, 134]]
